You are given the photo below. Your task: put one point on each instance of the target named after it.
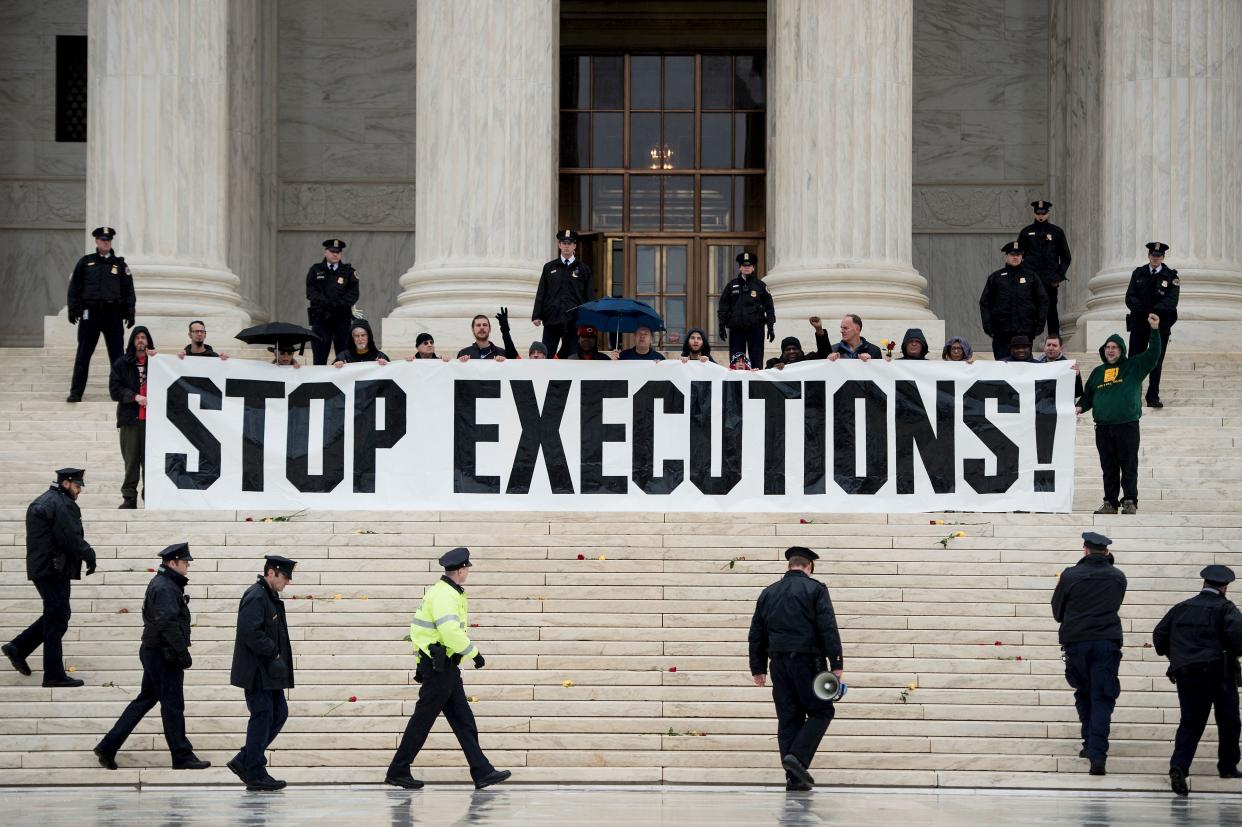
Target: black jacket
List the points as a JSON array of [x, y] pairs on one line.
[[1045, 250], [166, 614], [1086, 600], [55, 542], [561, 289], [207, 351], [745, 303], [914, 334], [101, 282], [1043, 360], [327, 290], [126, 379], [863, 347], [474, 352], [794, 614], [1204, 632], [1152, 294], [1013, 301], [262, 644]]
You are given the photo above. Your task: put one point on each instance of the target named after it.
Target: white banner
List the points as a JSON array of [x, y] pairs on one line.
[[819, 436]]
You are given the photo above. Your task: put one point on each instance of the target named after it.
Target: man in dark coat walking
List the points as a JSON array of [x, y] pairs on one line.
[[1154, 288], [56, 548], [128, 388], [263, 667], [101, 299], [1202, 638], [795, 628], [1046, 251], [1014, 302], [1085, 603], [565, 283], [165, 655]]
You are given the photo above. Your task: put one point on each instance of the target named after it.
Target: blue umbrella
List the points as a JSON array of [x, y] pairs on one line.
[[615, 315]]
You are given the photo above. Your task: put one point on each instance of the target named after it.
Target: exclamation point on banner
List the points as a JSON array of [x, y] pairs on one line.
[[1045, 433]]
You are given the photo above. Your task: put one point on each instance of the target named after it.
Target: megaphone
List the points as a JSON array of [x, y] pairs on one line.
[[828, 687]]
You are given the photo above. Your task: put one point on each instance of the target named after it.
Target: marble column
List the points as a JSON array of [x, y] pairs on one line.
[[159, 165], [1171, 160], [839, 163], [485, 165]]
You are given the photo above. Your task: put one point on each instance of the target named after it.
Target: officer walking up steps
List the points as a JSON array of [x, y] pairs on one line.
[[56, 548], [332, 290], [101, 298], [1085, 603], [565, 283], [1154, 288], [263, 667], [795, 628], [438, 633], [1202, 638], [744, 309], [1047, 253], [165, 655]]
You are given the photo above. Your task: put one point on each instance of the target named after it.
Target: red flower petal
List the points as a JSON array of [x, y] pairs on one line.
[[122, 611], [150, 569], [581, 556], [804, 521], [250, 519], [1019, 657], [672, 669], [310, 597], [998, 643], [353, 699], [474, 625]]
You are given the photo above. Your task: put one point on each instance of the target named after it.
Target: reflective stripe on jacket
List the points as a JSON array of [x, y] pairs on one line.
[[442, 619]]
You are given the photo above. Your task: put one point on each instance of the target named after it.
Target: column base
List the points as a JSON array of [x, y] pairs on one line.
[[442, 300]]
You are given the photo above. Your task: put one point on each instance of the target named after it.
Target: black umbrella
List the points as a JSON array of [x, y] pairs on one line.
[[278, 335]]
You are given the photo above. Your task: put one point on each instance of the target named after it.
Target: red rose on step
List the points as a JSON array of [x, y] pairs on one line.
[[250, 519], [353, 699], [998, 643], [122, 611], [581, 556], [804, 521], [672, 669], [150, 569], [1019, 657]]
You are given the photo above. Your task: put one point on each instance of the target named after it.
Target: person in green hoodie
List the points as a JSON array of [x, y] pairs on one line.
[[1114, 395]]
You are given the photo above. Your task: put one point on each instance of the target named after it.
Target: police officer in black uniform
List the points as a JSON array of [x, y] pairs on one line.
[[263, 667], [795, 628], [1202, 637], [1046, 252], [1154, 288], [565, 283], [332, 290], [1085, 603], [744, 309], [1014, 302], [101, 299], [165, 655]]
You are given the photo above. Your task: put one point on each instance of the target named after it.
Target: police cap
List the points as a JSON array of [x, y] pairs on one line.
[[177, 551], [1041, 206], [72, 474], [1221, 575], [455, 559], [568, 235], [1011, 247], [1157, 248], [104, 233], [1095, 540], [282, 565], [333, 244], [800, 551], [746, 258]]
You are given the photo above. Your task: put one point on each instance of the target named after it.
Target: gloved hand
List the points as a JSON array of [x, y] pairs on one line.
[[724, 334], [129, 321], [184, 660], [478, 661], [73, 318], [771, 333], [90, 568], [502, 318]]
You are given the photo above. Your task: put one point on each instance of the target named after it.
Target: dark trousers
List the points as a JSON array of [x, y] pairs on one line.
[[441, 692], [51, 626], [1000, 343], [1138, 344], [331, 326], [1091, 668], [1118, 446], [133, 454], [748, 340], [100, 319], [163, 683], [1198, 692], [561, 340], [268, 713], [802, 717], [1054, 318]]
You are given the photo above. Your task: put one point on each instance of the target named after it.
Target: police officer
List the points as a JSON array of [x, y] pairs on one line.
[[1085, 603], [744, 309], [101, 298], [165, 655], [56, 548], [263, 667], [1154, 288], [438, 633], [332, 290], [795, 628], [1047, 252], [564, 284], [1014, 302], [1202, 637]]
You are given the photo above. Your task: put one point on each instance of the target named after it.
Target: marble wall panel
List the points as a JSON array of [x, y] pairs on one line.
[[42, 204], [34, 279], [979, 209], [347, 205], [380, 257], [956, 267]]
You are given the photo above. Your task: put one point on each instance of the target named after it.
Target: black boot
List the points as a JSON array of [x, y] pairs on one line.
[[1097, 768], [493, 777], [19, 663], [1177, 780], [405, 782], [795, 768], [107, 760], [191, 763], [129, 502]]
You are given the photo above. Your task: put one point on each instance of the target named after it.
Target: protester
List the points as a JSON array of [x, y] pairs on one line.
[[283, 356], [588, 345], [128, 386], [696, 346], [56, 548], [198, 345], [425, 348], [957, 349], [1019, 350], [740, 361], [502, 320], [482, 347], [362, 347], [101, 298], [1014, 302], [643, 349], [1053, 353], [538, 350], [914, 345], [1113, 393], [852, 344]]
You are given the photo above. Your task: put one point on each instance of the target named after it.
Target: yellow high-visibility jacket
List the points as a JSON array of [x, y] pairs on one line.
[[442, 619]]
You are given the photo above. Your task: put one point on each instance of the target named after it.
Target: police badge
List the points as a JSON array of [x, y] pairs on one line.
[[754, 294]]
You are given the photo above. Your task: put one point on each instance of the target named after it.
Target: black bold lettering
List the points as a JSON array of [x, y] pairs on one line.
[[595, 432], [845, 437], [204, 442], [974, 414], [540, 431], [701, 437], [254, 394], [468, 432], [367, 438], [814, 440], [297, 446], [643, 471], [913, 429], [774, 395]]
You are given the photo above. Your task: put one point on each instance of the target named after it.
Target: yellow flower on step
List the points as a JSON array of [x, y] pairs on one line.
[[912, 686], [364, 597], [336, 597], [267, 519], [567, 683], [73, 668], [959, 534], [472, 698], [602, 557]]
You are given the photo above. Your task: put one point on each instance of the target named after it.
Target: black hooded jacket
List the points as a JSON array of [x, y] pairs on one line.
[[261, 649], [794, 614], [126, 379], [373, 352], [914, 334]]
